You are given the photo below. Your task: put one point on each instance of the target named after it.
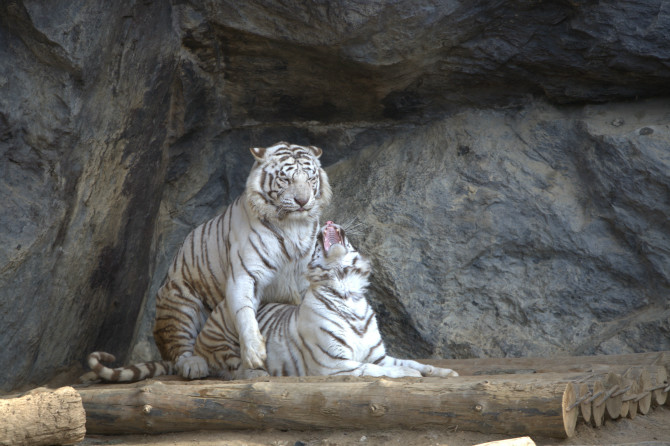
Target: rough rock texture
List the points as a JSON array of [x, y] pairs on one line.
[[85, 119], [524, 232], [499, 224]]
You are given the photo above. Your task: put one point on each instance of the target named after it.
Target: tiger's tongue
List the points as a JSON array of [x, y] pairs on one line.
[[331, 236]]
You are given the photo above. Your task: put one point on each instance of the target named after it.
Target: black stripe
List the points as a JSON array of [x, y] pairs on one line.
[[311, 353], [345, 372], [379, 360], [249, 274], [278, 236], [373, 348], [341, 341], [265, 261]]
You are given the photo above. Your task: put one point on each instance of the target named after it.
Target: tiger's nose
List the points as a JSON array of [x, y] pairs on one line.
[[301, 201]]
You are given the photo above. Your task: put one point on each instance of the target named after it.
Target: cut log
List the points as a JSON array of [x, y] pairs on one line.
[[643, 397], [570, 408], [495, 366], [507, 404], [628, 401], [659, 381], [43, 417], [631, 395], [614, 385], [598, 406], [585, 406]]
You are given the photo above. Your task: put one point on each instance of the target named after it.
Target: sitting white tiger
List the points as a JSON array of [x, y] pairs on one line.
[[332, 332], [255, 252]]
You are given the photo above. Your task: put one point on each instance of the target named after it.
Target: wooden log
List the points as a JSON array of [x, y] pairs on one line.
[[598, 406], [570, 408], [643, 396], [630, 389], [494, 366], [659, 381], [631, 395], [583, 395], [506, 404], [614, 384], [43, 417]]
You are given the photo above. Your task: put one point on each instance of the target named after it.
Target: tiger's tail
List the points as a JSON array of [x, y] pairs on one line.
[[131, 373]]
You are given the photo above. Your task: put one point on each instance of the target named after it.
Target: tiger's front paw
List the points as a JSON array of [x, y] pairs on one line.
[[253, 353], [192, 367]]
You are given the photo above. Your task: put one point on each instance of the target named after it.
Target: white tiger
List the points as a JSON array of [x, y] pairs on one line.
[[256, 251], [332, 332]]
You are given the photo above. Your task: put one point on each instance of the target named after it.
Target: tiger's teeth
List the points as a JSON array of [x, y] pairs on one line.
[[331, 236]]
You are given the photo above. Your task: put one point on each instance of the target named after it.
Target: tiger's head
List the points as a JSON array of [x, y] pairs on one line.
[[334, 257], [287, 182]]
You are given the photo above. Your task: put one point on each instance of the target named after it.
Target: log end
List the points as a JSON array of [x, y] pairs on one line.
[[585, 406], [598, 406], [570, 408]]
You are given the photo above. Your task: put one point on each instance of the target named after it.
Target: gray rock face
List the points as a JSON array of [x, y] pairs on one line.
[[527, 232], [498, 224], [83, 167], [349, 60]]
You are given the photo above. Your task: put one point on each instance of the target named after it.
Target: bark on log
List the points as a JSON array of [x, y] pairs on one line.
[[508, 404], [43, 417]]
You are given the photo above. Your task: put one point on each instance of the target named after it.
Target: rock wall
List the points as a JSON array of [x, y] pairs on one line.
[[527, 232], [506, 212]]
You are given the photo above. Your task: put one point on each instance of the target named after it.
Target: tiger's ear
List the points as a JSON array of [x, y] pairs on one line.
[[316, 151], [258, 153]]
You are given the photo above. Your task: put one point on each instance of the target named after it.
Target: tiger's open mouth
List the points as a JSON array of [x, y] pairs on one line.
[[331, 236]]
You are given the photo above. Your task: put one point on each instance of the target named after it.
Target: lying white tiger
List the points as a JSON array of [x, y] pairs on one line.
[[256, 251], [332, 332]]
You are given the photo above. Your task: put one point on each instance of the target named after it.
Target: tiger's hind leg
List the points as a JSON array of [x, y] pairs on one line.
[[219, 345], [180, 315]]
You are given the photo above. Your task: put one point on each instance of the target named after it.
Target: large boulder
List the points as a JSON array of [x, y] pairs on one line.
[[498, 224]]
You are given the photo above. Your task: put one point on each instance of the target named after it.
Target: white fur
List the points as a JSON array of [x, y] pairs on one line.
[[229, 272]]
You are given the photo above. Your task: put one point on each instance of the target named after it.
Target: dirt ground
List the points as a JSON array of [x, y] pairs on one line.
[[651, 429]]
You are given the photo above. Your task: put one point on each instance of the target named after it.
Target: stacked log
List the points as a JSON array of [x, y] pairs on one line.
[[524, 396]]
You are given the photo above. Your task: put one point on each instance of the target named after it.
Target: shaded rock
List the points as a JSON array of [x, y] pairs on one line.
[[82, 162], [352, 60], [535, 231]]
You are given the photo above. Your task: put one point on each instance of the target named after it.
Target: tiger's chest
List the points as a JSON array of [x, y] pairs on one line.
[[287, 284], [292, 252]]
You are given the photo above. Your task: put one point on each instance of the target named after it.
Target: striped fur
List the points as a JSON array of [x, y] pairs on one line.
[[256, 251], [136, 372], [333, 331]]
